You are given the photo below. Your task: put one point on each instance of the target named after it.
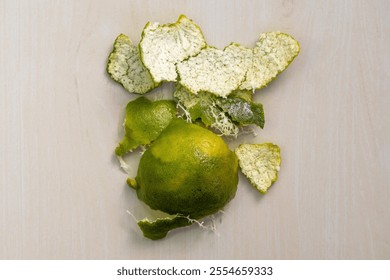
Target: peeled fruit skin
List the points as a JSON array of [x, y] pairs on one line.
[[125, 67], [224, 115], [260, 163], [160, 227], [163, 46], [144, 121], [188, 170]]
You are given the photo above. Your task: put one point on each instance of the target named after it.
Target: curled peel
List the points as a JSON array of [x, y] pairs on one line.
[[163, 46], [225, 115], [125, 67], [159, 228], [219, 72], [274, 51], [260, 163], [144, 122], [241, 111], [203, 107]]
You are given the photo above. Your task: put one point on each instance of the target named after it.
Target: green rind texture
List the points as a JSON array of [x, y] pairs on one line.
[[242, 111], [225, 115], [193, 182], [144, 122], [160, 227]]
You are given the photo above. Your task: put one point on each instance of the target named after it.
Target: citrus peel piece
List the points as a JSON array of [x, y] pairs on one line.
[[260, 163], [159, 228], [216, 71], [203, 107], [144, 122], [225, 115], [242, 111], [274, 51], [125, 67], [220, 72], [163, 46]]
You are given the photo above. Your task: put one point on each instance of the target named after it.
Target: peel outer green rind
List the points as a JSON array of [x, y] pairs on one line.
[[247, 95], [203, 106], [260, 163], [219, 72], [225, 115], [127, 144], [163, 46], [160, 227], [144, 122], [125, 67], [242, 111], [272, 54]]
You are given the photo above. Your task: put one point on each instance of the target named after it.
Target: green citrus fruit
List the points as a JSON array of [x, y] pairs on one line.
[[188, 170]]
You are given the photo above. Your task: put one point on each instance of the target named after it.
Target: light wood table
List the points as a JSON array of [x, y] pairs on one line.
[[63, 195]]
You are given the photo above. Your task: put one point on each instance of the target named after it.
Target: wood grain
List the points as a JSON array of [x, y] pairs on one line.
[[63, 196]]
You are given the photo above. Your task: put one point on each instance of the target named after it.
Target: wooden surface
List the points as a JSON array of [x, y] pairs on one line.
[[63, 195]]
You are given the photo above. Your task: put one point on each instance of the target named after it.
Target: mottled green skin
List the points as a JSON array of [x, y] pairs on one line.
[[238, 107], [188, 170], [242, 111], [159, 228], [144, 122]]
